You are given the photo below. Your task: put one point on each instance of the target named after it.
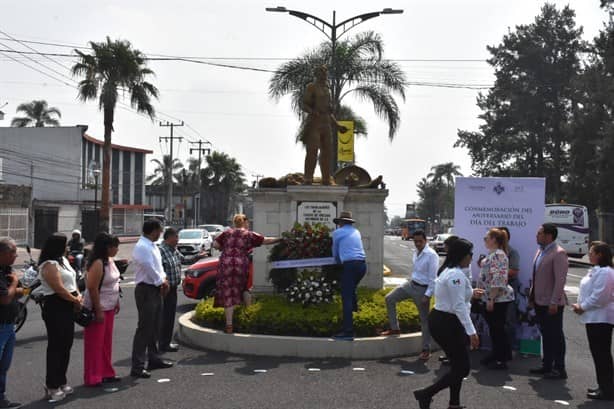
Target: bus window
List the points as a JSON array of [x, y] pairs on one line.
[[409, 226]]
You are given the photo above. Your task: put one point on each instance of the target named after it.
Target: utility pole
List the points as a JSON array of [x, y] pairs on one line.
[[257, 176], [169, 207], [200, 150]]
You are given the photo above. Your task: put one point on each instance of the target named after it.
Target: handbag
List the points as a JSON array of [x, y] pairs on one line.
[[85, 316]]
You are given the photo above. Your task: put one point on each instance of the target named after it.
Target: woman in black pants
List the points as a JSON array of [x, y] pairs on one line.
[[596, 309], [450, 324], [497, 295], [61, 300]]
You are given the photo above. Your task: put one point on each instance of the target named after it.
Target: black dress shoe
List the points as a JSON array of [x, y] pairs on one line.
[[170, 348], [539, 371], [424, 400], [599, 395], [161, 364], [140, 373], [556, 374], [111, 379], [592, 390]]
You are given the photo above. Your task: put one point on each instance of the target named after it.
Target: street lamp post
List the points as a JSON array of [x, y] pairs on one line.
[[96, 174], [335, 31]]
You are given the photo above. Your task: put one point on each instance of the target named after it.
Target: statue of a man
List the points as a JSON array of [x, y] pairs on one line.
[[318, 130]]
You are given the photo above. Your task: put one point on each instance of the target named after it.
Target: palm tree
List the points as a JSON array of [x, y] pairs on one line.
[[113, 66], [445, 172], [166, 172], [222, 181], [359, 70], [38, 114]]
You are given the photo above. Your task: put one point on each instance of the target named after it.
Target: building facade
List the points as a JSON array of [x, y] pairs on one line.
[[59, 165]]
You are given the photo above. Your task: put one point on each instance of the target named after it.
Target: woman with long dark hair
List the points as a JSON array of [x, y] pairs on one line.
[[61, 300], [596, 310], [450, 324], [102, 296]]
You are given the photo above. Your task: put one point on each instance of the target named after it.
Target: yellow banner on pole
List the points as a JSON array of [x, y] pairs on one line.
[[345, 142]]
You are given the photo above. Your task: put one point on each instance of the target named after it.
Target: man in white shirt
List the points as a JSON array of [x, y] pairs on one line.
[[151, 286], [419, 287]]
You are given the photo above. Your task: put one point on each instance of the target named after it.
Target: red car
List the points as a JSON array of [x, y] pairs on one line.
[[199, 281]]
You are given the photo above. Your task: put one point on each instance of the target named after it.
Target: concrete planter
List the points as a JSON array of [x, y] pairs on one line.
[[300, 347]]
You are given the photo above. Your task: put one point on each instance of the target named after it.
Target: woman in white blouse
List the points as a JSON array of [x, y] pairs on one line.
[[450, 324], [61, 300], [596, 309]]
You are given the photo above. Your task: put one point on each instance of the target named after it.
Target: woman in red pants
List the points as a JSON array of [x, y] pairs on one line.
[[102, 296]]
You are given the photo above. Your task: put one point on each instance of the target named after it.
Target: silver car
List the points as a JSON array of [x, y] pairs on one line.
[[192, 242]]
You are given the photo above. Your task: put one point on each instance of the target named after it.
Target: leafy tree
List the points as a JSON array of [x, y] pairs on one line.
[[359, 71], [527, 112], [221, 183], [111, 67], [38, 114]]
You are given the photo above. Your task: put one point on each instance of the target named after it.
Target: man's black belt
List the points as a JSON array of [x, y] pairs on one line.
[[353, 261], [418, 284]]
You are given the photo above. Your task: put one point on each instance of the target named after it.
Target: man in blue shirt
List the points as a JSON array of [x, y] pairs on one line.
[[348, 250]]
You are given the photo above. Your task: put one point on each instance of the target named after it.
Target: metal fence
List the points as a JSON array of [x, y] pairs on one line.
[[14, 223]]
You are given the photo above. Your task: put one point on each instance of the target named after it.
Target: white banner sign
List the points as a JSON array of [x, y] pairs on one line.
[[303, 262], [516, 203], [317, 212]]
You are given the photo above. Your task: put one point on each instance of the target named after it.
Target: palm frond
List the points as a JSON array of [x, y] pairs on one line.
[[384, 105]]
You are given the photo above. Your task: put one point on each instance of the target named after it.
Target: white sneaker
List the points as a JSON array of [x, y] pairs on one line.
[[54, 395], [68, 390]]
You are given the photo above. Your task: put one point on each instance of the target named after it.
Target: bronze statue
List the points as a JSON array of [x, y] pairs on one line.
[[318, 130]]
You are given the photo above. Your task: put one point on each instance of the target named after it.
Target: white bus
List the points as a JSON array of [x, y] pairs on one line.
[[572, 223]]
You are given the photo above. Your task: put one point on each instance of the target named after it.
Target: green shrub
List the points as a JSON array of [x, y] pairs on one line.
[[274, 315]]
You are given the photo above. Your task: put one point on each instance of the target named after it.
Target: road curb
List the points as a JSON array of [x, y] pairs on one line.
[[299, 347]]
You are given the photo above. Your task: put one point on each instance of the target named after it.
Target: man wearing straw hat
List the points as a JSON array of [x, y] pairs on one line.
[[348, 250]]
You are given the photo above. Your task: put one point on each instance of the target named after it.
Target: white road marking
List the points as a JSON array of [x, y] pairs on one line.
[[163, 380], [562, 402], [358, 369], [111, 390], [259, 370], [313, 369], [207, 374], [406, 372], [509, 388]]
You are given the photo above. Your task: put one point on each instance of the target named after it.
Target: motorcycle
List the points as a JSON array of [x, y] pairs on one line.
[[72, 259], [29, 282]]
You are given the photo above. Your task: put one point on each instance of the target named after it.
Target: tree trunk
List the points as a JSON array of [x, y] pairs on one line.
[[106, 171]]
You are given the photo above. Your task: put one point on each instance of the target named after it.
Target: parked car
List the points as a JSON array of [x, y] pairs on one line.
[[199, 280], [192, 242], [437, 243], [213, 229]]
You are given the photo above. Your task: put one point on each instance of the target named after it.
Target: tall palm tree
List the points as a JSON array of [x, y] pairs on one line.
[[166, 172], [38, 114], [445, 172], [359, 71], [113, 66], [222, 181]]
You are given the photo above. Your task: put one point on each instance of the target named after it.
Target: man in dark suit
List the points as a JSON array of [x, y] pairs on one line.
[[548, 298]]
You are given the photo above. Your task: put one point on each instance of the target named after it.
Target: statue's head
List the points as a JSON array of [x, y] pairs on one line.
[[321, 72]]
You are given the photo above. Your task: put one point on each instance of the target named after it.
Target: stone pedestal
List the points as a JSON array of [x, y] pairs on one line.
[[276, 211]]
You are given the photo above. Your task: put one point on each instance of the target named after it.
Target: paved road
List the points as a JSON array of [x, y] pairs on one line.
[[217, 380]]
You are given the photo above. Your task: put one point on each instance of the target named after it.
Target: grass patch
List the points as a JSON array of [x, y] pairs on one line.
[[274, 315]]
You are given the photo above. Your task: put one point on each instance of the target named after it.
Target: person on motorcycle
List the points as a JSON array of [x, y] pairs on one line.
[[76, 247]]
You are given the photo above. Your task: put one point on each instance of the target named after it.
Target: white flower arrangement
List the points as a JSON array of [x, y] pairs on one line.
[[311, 289]]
